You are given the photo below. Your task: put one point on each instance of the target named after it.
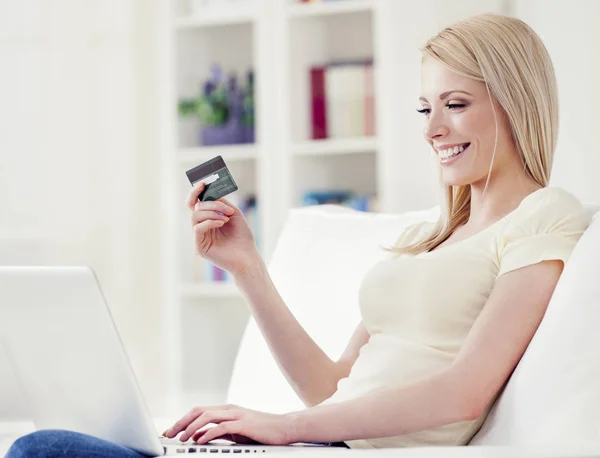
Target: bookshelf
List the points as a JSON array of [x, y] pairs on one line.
[[196, 155], [335, 146], [282, 40], [215, 17], [329, 8]]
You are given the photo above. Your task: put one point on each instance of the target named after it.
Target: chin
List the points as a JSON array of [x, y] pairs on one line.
[[456, 180]]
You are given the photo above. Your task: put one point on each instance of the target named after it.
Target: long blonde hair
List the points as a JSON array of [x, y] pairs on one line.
[[510, 58]]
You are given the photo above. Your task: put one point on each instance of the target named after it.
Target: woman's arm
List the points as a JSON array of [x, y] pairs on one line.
[[494, 346], [310, 372], [492, 349]]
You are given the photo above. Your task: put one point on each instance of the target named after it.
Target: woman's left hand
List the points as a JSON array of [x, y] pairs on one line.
[[233, 423]]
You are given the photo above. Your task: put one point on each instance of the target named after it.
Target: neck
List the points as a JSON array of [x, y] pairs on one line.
[[504, 193]]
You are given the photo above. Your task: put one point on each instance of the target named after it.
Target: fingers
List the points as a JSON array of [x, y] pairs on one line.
[[227, 431], [200, 216], [228, 203], [216, 211], [207, 225], [190, 417], [233, 437], [184, 422], [214, 205], [211, 416], [193, 196], [222, 205]]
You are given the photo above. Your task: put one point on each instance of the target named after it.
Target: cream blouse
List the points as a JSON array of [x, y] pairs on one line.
[[419, 309]]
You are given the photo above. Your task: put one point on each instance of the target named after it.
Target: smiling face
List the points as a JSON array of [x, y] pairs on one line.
[[461, 128]]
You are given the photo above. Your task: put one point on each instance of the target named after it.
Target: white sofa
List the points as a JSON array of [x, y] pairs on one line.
[[553, 396]]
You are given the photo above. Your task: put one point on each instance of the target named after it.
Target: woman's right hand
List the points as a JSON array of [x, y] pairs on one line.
[[222, 234]]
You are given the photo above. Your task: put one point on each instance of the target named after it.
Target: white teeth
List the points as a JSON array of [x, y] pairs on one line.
[[448, 152]]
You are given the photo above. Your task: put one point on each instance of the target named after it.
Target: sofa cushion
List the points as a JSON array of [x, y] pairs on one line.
[[319, 261], [553, 394]]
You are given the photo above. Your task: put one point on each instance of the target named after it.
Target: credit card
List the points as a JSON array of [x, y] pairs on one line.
[[216, 176]]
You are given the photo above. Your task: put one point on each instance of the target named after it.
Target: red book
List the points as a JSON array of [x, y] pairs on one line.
[[318, 103], [369, 101]]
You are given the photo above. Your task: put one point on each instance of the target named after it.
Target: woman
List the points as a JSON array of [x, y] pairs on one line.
[[448, 316]]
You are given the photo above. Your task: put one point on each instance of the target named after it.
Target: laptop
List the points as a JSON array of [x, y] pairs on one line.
[[64, 349]]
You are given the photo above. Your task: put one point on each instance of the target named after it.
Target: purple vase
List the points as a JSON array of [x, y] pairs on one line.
[[249, 135], [226, 134]]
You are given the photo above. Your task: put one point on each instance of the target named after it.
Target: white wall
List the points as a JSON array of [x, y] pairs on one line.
[[410, 167], [571, 32], [79, 154]]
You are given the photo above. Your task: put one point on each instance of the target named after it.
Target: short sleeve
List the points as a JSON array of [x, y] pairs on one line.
[[546, 226]]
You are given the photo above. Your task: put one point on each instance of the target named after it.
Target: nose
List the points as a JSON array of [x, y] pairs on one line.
[[435, 126]]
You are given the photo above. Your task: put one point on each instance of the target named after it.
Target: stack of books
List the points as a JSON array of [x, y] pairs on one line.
[[342, 100], [360, 202]]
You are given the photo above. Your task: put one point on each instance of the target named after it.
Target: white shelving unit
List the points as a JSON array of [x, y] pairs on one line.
[[331, 8], [335, 146], [281, 40], [196, 155], [217, 17]]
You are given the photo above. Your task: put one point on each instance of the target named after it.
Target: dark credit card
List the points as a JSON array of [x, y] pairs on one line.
[[216, 177]]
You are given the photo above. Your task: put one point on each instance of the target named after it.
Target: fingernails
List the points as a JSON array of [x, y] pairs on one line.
[[229, 211]]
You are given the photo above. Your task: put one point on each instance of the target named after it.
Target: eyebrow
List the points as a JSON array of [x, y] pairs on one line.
[[443, 95]]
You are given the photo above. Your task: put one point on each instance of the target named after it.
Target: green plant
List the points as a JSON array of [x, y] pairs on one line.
[[210, 109]]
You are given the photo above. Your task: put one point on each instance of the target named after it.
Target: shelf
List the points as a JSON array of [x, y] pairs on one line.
[[15, 236], [210, 290], [335, 146], [329, 8], [230, 153], [217, 17]]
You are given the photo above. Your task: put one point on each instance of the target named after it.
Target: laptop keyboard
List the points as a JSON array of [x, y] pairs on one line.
[[183, 447]]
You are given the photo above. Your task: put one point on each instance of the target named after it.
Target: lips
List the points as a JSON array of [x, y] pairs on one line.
[[451, 159]]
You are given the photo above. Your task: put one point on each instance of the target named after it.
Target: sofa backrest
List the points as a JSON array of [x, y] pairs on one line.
[[553, 395], [320, 259], [318, 263]]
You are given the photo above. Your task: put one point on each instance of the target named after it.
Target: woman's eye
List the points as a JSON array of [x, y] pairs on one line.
[[451, 106]]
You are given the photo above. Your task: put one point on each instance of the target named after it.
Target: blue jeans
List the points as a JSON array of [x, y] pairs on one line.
[[51, 443]]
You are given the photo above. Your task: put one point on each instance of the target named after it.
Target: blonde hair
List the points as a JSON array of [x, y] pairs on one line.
[[510, 58]]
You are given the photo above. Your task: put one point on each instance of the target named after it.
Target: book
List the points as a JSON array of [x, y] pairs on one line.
[[318, 103], [369, 129], [350, 99], [359, 202]]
